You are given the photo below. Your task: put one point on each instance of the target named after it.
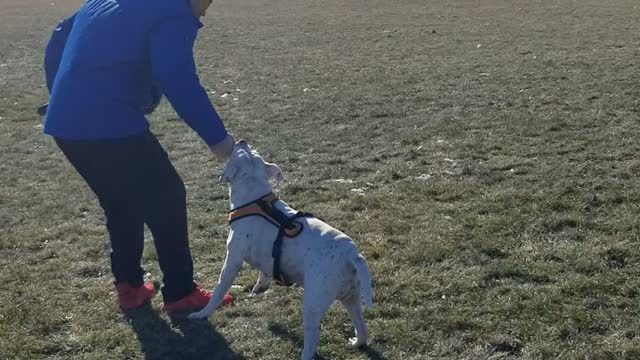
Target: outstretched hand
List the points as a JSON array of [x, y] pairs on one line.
[[223, 149]]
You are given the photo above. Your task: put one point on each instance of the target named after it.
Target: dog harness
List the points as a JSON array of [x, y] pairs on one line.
[[287, 226]]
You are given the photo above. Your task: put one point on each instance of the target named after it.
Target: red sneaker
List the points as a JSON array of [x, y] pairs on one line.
[[198, 299], [131, 298]]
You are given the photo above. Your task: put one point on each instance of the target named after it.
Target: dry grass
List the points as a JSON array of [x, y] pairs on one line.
[[494, 143]]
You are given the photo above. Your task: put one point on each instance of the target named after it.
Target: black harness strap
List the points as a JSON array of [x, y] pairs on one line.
[[287, 226], [276, 251]]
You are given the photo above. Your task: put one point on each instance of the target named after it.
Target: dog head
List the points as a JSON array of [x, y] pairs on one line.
[[247, 166]]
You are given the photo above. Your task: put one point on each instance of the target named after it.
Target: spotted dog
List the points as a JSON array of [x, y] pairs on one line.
[[289, 247]]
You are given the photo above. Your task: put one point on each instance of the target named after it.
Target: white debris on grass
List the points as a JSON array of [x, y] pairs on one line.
[[342, 181]]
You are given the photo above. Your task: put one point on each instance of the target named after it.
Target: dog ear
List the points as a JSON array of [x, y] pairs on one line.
[[274, 172]]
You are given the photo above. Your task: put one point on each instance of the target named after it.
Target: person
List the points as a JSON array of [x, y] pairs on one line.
[[107, 66]]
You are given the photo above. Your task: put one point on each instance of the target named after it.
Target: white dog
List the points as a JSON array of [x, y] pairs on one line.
[[325, 261]]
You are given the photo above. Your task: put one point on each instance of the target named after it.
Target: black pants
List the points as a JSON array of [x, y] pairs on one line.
[[136, 185]]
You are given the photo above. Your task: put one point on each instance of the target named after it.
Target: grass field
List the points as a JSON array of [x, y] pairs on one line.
[[483, 154]]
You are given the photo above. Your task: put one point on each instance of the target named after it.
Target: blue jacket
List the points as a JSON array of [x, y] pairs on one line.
[[109, 64]]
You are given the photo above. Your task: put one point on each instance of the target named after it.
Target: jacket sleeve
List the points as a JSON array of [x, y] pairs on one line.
[[55, 48], [174, 70]]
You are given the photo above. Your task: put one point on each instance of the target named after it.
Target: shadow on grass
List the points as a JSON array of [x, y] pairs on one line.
[[283, 333], [180, 339]]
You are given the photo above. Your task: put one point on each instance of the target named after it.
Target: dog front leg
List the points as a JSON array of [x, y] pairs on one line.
[[231, 267], [311, 323]]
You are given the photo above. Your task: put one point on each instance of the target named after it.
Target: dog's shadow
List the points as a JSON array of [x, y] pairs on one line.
[[180, 338], [283, 333]]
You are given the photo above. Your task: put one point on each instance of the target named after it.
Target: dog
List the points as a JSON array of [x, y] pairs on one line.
[[320, 258]]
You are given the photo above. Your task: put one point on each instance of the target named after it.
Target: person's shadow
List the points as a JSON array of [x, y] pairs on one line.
[[283, 333], [180, 339]]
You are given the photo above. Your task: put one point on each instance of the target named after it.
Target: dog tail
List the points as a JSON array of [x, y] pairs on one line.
[[364, 277]]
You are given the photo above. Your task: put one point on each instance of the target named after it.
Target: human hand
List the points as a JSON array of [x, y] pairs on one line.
[[199, 7], [223, 149], [156, 96]]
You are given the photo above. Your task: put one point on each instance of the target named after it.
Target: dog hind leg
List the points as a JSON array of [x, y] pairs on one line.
[[354, 308], [316, 302]]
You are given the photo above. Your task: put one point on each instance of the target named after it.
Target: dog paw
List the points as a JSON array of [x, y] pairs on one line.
[[257, 292], [355, 342], [259, 289], [196, 316]]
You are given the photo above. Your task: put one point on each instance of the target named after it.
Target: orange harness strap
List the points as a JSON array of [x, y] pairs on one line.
[[264, 207]]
